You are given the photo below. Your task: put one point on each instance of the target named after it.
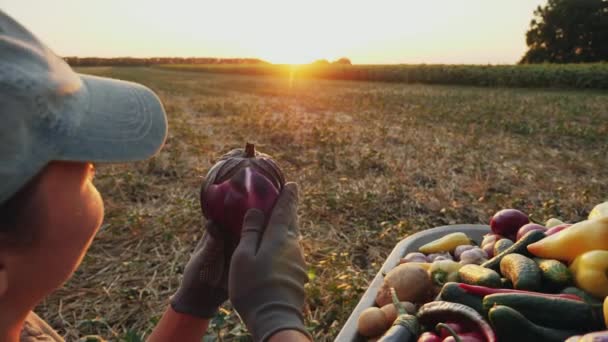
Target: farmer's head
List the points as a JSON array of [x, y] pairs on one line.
[[54, 123]]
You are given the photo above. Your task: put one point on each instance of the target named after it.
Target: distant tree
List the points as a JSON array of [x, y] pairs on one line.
[[320, 62], [568, 31], [343, 60]]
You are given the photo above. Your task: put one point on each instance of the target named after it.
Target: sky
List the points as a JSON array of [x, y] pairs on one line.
[[284, 31]]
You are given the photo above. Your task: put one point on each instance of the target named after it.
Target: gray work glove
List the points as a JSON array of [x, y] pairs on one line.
[[205, 284], [268, 271]]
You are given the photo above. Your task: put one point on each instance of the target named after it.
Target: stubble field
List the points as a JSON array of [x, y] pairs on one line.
[[375, 162]]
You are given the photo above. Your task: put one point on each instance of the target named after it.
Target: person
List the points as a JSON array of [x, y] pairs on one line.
[[54, 124]]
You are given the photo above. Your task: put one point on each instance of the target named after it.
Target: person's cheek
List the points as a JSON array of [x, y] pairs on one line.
[[93, 211], [83, 228], [96, 207]]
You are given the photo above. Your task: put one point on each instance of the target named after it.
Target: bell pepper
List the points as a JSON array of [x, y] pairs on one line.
[[590, 272], [446, 243], [606, 311], [600, 210], [573, 241], [443, 271]]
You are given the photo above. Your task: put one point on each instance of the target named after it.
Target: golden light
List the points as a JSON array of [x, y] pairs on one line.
[[291, 56], [287, 31]]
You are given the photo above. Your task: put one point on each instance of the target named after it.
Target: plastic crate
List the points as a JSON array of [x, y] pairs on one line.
[[405, 246]]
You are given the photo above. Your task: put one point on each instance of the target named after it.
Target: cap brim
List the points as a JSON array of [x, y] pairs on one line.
[[120, 121]]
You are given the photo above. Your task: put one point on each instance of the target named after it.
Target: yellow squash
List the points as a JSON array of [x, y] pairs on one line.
[[446, 243], [424, 265], [552, 222], [590, 272], [573, 241]]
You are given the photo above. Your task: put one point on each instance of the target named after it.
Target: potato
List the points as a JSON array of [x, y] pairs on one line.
[[390, 311], [412, 284], [372, 322]]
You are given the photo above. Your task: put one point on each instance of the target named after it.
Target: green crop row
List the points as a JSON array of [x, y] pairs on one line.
[[582, 76]]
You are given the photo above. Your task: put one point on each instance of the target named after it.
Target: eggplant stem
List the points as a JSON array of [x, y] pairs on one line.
[[400, 308], [249, 150], [440, 326]]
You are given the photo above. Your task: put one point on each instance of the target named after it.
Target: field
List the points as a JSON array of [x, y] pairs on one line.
[[571, 76], [375, 162]]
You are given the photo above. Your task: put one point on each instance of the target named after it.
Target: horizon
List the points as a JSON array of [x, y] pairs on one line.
[[487, 32]]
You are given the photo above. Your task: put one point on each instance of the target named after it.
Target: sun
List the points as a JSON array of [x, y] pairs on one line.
[[301, 51], [287, 57], [293, 38]]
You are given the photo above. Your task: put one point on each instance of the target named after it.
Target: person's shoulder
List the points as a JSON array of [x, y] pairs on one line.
[[35, 329]]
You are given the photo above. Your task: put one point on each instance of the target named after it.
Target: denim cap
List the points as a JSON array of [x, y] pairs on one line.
[[49, 112]]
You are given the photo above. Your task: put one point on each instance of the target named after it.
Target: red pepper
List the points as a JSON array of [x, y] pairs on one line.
[[465, 337], [429, 337], [445, 332], [484, 291], [454, 332], [434, 313]]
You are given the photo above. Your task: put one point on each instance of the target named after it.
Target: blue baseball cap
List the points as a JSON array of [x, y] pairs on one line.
[[49, 112]]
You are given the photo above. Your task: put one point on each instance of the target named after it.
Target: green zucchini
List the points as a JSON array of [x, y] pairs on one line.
[[550, 312], [555, 274], [522, 271], [510, 325], [587, 297], [478, 275], [506, 283], [451, 292], [520, 247], [501, 245]]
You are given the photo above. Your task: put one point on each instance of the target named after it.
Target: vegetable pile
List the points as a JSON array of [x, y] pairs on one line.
[[523, 282]]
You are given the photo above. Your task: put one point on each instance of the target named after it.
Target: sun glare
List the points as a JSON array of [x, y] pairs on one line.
[[289, 55], [286, 31]]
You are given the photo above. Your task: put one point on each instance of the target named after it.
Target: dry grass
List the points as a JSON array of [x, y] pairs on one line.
[[375, 162]]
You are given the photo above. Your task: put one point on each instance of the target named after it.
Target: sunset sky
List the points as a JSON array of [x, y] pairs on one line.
[[285, 31]]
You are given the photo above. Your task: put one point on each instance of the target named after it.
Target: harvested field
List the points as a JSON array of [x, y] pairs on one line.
[[375, 162], [572, 76]]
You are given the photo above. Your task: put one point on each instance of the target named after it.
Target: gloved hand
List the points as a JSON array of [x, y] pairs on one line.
[[267, 272], [205, 284]]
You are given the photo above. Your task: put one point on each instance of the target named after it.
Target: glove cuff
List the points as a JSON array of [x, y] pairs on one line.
[[202, 303], [274, 317]]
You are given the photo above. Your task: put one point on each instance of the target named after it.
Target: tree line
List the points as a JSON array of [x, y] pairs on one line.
[[562, 31], [133, 61]]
